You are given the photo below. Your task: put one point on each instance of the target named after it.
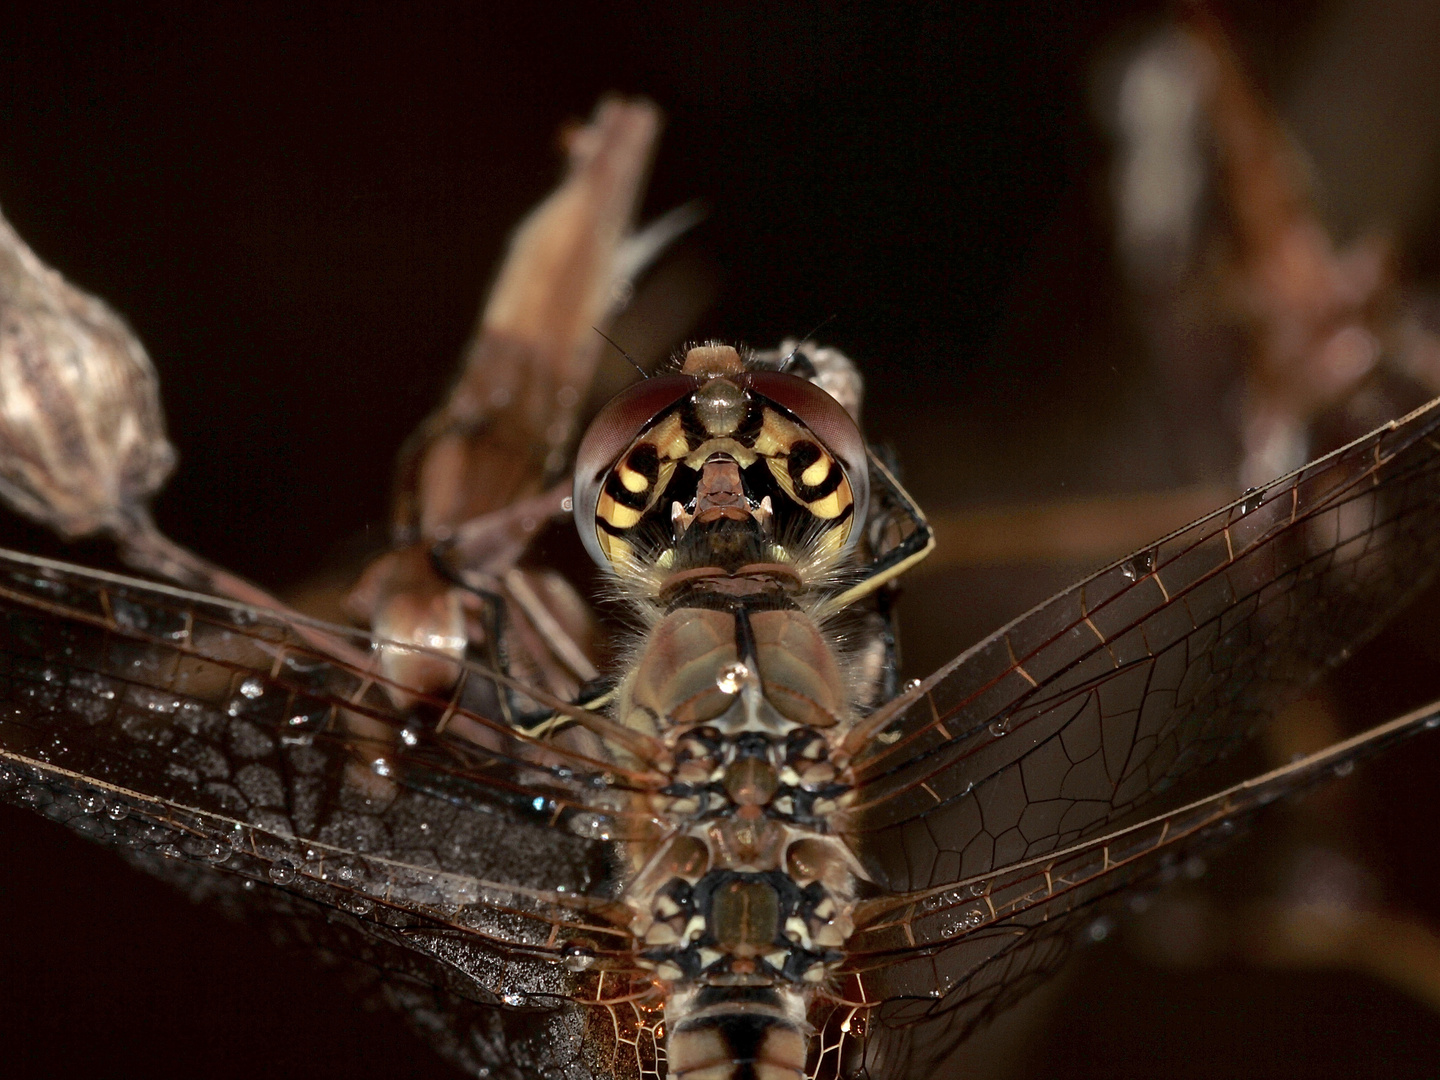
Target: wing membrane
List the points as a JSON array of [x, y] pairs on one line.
[[1067, 720], [464, 863], [937, 962]]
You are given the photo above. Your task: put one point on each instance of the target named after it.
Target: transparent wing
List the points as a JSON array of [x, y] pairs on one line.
[[224, 746], [1068, 719], [924, 968]]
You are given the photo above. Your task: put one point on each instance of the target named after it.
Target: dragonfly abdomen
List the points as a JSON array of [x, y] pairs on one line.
[[757, 1033]]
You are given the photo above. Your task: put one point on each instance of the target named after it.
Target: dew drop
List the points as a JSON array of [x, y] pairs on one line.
[[252, 688], [911, 684], [999, 728], [92, 804], [1345, 768], [1139, 565], [512, 998], [590, 826], [381, 767], [1432, 723], [409, 737], [579, 959], [1250, 500], [731, 677], [117, 811], [281, 875]]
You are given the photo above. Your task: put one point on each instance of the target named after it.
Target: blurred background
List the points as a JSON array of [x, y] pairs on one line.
[[1084, 258]]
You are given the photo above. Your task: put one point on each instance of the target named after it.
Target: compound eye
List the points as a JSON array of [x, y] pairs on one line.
[[613, 431], [817, 410], [827, 420]]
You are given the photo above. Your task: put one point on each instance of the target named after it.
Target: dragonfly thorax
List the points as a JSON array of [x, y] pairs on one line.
[[742, 911]]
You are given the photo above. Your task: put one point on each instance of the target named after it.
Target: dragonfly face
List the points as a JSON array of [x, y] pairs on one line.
[[750, 848]]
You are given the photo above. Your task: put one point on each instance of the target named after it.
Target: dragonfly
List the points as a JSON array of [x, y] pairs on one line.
[[745, 847]]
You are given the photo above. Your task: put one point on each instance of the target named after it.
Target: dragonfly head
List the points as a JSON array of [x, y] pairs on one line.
[[725, 459]]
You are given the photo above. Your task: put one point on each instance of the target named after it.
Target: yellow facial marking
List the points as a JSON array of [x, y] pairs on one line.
[[743, 455], [621, 517], [632, 480], [776, 436], [615, 549], [781, 474], [817, 472], [669, 438], [832, 505]]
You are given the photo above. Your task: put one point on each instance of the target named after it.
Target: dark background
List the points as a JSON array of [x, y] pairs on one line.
[[298, 210]]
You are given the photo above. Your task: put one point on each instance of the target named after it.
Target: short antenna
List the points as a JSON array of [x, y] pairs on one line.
[[633, 362], [785, 363]]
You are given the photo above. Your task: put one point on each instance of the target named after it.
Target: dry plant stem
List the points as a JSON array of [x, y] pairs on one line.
[[144, 547], [1318, 314], [1088, 530], [1395, 948], [504, 430], [491, 544], [483, 553], [555, 636], [515, 406]]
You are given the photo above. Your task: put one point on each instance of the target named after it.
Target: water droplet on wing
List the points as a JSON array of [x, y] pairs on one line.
[[578, 958]]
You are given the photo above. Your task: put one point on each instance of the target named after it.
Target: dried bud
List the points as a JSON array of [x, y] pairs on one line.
[[82, 434]]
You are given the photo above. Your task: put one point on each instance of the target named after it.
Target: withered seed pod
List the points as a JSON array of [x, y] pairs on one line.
[[82, 435]]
